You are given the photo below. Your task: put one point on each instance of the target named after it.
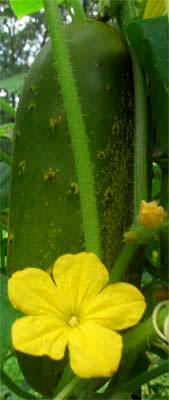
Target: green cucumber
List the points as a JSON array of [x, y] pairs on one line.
[[45, 217]]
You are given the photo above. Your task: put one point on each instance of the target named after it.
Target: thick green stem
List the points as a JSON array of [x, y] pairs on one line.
[[140, 137], [68, 389], [122, 262], [80, 15], [76, 127], [67, 376], [125, 12], [126, 15]]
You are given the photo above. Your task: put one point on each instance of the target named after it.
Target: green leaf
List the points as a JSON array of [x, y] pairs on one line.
[[6, 145], [120, 395], [7, 316], [149, 39], [7, 129], [147, 376], [5, 172], [3, 250], [4, 157], [156, 181], [3, 220], [15, 388], [22, 8], [14, 83], [25, 7], [4, 105]]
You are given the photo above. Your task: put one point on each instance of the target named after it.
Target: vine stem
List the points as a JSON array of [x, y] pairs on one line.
[[76, 126], [80, 15], [68, 389], [141, 133], [140, 163], [122, 262], [126, 14]]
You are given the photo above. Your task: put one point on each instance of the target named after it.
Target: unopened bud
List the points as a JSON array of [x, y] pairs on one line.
[[151, 215]]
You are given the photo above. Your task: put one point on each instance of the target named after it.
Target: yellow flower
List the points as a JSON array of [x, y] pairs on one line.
[[151, 215], [75, 309]]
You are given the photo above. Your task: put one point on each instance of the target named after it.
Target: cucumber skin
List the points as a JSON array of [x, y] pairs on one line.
[[45, 218]]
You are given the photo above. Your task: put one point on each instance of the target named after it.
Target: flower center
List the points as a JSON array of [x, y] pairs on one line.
[[73, 321]]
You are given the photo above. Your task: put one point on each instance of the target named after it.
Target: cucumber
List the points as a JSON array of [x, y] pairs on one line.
[[45, 217]]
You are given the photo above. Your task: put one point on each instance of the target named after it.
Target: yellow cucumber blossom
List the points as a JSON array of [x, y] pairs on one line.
[[75, 310], [151, 215]]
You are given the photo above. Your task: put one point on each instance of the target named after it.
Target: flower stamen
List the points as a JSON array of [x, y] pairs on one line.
[[73, 321]]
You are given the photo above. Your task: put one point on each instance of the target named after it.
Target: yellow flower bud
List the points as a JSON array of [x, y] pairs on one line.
[[151, 215]]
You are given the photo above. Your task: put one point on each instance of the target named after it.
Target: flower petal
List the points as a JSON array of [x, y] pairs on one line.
[[94, 351], [32, 291], [40, 335], [83, 276], [151, 215], [118, 306]]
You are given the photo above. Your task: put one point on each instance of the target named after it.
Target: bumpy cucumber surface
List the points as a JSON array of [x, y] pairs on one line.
[[45, 217]]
